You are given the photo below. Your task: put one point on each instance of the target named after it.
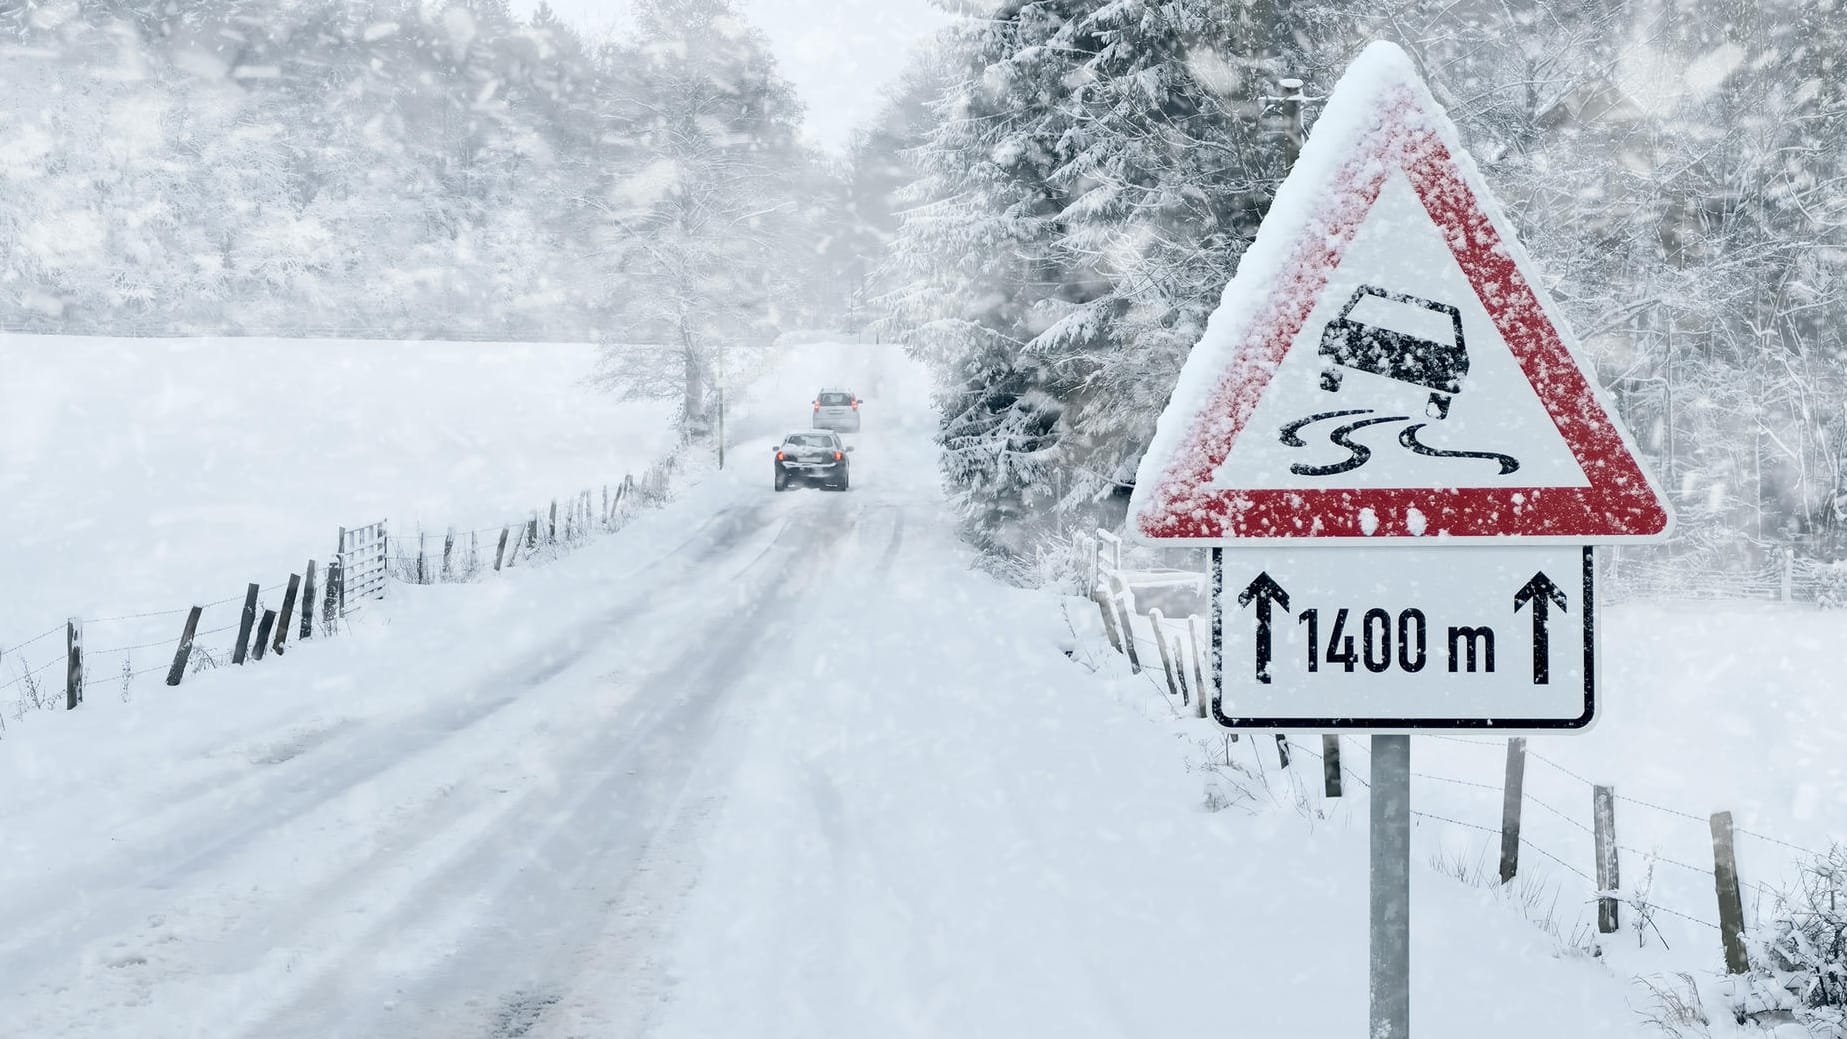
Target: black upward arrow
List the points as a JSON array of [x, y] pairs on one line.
[[1263, 591], [1543, 594]]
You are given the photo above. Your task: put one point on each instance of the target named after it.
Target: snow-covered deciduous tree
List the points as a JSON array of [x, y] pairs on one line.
[[697, 215], [372, 167]]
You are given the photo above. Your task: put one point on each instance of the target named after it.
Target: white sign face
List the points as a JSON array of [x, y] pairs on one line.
[[1403, 639], [1363, 397]]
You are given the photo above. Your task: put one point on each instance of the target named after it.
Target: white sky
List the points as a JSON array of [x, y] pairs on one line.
[[837, 53]]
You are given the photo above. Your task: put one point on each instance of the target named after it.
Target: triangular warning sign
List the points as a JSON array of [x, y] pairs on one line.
[[1385, 364]]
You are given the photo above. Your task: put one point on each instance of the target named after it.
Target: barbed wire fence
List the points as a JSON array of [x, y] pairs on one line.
[[1169, 654], [44, 672]]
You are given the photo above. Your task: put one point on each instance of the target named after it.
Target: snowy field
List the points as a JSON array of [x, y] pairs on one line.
[[144, 475], [1707, 707]]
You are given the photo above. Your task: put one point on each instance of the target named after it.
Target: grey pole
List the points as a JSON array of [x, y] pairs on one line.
[[1390, 980]]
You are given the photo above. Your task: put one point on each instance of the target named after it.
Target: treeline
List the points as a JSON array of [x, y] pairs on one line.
[[397, 168], [1068, 185]]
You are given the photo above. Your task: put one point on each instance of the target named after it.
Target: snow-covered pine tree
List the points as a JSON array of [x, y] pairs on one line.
[[1171, 167], [1093, 176], [978, 267]]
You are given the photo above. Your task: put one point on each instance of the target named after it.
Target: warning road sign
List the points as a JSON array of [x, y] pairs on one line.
[[1385, 364]]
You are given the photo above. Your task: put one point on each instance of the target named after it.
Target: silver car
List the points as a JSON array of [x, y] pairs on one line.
[[837, 410]]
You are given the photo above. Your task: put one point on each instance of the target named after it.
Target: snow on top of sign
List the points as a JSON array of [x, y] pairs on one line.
[[1379, 113], [1351, 113]]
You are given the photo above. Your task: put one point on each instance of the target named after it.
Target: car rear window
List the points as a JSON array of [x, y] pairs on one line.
[[836, 400], [809, 440]]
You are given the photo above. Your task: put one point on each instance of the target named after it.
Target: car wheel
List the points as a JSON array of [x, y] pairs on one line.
[[842, 485], [782, 482]]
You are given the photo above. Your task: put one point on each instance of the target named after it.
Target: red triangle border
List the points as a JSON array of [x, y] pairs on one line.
[[1619, 501]]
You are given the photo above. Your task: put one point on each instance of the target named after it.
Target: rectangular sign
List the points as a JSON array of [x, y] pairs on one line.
[[1403, 639]]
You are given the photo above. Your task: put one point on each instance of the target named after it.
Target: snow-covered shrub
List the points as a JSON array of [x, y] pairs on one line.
[[1831, 586], [1799, 960]]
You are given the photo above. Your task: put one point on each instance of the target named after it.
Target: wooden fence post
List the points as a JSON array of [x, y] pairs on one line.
[[551, 530], [73, 663], [422, 550], [1731, 905], [288, 612], [605, 512], [330, 597], [1199, 674], [473, 566], [184, 652], [532, 533], [1330, 764], [307, 604], [1128, 626], [1160, 643], [448, 555], [1102, 600], [1511, 799], [1282, 750], [268, 622], [245, 623], [1186, 691], [501, 549], [1603, 810]]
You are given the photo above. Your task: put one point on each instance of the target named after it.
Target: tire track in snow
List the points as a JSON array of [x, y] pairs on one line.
[[280, 796], [578, 854]]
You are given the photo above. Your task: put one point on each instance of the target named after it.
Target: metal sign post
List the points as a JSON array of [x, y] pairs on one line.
[[1389, 985]]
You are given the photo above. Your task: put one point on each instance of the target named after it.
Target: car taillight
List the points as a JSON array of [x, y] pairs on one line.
[[817, 405], [856, 405], [836, 456], [779, 456]]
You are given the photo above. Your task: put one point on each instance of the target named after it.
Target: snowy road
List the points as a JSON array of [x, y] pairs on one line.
[[760, 765], [520, 828]]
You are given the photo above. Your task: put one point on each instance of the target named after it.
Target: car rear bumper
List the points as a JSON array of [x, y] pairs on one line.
[[810, 470]]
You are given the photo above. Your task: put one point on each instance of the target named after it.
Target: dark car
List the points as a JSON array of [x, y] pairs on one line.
[[1435, 364], [812, 456]]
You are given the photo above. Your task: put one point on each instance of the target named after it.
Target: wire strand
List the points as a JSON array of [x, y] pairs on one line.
[[36, 638], [1561, 768], [1662, 809], [30, 674], [1527, 843], [1773, 840], [1457, 782], [1454, 822], [134, 616], [1656, 856], [1560, 814]]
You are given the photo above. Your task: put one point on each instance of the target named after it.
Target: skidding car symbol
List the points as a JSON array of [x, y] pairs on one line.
[[1431, 363]]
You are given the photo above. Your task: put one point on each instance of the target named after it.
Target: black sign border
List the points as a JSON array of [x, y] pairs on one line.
[[1512, 725]]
